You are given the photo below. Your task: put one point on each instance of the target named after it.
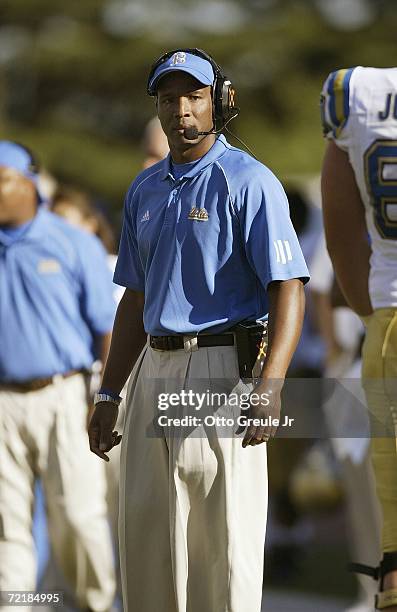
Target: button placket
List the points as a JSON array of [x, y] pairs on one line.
[[171, 212]]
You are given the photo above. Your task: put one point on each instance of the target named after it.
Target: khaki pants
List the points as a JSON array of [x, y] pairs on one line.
[[379, 380], [192, 509], [43, 433]]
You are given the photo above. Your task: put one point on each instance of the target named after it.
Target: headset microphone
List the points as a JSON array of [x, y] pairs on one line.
[[191, 133]]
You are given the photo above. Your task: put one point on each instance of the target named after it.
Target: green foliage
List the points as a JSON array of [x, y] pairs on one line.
[[106, 169]]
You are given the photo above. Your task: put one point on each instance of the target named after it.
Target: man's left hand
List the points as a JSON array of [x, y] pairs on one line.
[[265, 407]]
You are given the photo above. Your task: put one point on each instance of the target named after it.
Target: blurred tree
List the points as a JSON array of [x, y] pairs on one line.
[[73, 75]]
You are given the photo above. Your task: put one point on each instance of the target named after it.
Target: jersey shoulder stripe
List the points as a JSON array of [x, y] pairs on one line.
[[337, 94]]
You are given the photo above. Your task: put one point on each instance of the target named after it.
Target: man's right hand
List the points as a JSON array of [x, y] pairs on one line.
[[100, 429]]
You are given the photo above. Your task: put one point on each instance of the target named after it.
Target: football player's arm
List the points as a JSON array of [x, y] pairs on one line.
[[345, 229]]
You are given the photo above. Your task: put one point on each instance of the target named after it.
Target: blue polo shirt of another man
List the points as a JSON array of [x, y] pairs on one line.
[[204, 247], [56, 295]]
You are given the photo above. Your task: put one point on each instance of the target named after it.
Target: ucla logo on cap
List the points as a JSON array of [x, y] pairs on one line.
[[178, 58]]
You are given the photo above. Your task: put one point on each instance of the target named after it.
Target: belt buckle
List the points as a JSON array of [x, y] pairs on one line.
[[190, 344], [156, 348]]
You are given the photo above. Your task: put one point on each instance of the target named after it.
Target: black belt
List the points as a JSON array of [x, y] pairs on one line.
[[174, 343], [36, 383]]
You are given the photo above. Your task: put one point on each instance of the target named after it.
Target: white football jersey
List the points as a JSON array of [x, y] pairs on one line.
[[359, 112]]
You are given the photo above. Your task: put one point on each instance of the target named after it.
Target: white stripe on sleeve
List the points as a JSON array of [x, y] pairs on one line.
[[288, 250], [277, 251], [282, 254]]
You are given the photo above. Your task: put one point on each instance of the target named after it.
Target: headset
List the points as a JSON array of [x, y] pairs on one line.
[[223, 92]]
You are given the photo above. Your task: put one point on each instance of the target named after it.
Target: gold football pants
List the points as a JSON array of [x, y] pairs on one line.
[[380, 384]]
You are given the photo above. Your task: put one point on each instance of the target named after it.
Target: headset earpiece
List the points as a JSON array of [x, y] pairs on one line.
[[224, 101]]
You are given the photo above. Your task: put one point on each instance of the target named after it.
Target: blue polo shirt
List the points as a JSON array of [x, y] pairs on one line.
[[204, 247], [56, 295]]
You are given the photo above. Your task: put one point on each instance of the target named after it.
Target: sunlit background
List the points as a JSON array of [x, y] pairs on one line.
[[72, 74]]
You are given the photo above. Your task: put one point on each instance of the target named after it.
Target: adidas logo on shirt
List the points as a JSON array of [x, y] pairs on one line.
[[145, 217], [283, 251]]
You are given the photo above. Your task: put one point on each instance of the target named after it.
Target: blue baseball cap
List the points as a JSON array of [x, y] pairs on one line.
[[195, 65], [13, 155]]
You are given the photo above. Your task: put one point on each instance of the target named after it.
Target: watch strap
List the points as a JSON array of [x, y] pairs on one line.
[[100, 396]]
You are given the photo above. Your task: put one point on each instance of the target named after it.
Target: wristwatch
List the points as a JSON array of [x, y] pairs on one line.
[[105, 397]]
